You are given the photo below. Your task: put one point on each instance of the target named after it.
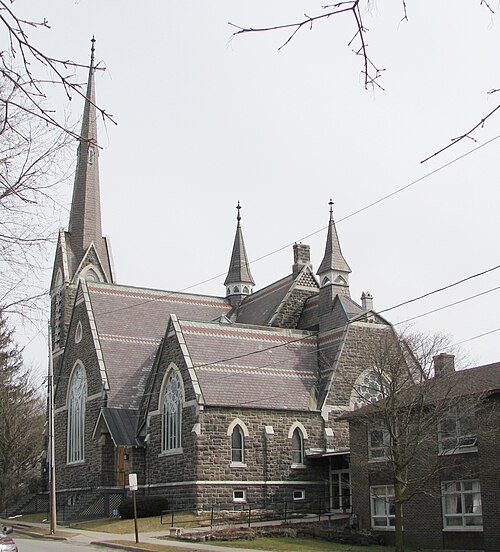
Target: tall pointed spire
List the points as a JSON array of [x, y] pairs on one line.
[[85, 217], [239, 281], [333, 268]]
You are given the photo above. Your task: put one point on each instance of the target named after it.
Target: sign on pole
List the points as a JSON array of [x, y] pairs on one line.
[[132, 482]]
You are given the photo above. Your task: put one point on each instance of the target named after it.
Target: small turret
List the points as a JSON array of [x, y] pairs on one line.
[[334, 270], [239, 281]]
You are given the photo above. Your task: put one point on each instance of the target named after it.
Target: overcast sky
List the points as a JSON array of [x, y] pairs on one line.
[[205, 121]]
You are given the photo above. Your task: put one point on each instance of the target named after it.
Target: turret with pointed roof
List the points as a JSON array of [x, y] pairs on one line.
[[334, 268], [239, 281]]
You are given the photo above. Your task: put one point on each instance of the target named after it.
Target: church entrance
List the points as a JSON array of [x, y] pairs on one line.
[[120, 467]]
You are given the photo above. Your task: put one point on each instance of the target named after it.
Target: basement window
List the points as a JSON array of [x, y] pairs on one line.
[[239, 496]]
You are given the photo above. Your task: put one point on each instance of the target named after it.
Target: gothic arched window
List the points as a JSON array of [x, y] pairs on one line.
[[76, 415], [237, 445], [297, 447], [172, 413]]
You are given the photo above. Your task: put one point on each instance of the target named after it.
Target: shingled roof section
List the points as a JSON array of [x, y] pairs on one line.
[[258, 308], [122, 424], [248, 367], [131, 323]]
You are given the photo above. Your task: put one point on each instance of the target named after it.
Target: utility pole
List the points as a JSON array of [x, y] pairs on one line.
[[51, 445]]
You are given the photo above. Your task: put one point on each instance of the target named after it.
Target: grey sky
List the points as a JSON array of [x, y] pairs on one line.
[[204, 121]]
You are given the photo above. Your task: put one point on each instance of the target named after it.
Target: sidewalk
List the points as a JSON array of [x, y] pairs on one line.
[[84, 536]]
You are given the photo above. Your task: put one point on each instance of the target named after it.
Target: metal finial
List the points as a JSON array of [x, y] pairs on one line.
[[92, 50], [331, 208], [238, 217]]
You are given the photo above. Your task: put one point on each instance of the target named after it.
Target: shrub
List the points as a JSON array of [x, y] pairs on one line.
[[147, 506]]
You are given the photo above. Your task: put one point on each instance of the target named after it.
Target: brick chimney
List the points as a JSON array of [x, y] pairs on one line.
[[301, 257], [444, 365], [367, 301]]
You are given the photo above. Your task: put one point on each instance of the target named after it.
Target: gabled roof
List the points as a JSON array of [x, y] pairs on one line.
[[241, 366], [258, 308], [121, 424], [130, 324]]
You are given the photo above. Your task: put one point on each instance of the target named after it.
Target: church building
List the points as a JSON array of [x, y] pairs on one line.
[[210, 400]]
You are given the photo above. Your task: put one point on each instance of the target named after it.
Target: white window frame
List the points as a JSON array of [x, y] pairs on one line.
[[172, 403], [239, 495], [462, 492], [382, 495], [76, 401], [378, 450], [459, 438], [298, 494]]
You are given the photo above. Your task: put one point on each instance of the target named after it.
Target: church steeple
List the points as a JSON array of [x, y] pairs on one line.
[[85, 217], [239, 281], [334, 269]]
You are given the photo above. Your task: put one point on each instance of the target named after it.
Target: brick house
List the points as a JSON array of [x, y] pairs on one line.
[[455, 483], [210, 400]]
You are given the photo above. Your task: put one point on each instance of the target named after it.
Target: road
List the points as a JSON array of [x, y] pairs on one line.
[[45, 545]]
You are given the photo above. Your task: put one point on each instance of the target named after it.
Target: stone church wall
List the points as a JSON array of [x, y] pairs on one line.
[[88, 473]]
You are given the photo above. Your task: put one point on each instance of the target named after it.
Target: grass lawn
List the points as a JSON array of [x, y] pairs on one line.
[[283, 544], [122, 526]]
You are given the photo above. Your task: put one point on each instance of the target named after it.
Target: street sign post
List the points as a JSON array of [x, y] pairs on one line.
[[132, 481]]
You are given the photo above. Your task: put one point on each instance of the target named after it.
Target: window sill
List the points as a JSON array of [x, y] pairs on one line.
[[172, 452], [383, 528], [298, 466], [237, 465], [377, 460], [457, 451], [79, 463], [472, 529]]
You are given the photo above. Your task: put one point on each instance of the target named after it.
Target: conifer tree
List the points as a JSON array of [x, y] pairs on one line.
[[21, 421]]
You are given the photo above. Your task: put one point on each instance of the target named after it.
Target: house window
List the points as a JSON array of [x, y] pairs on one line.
[[299, 494], [239, 496], [456, 431], [172, 413], [76, 415], [368, 389], [462, 505], [237, 445], [78, 332], [382, 506], [297, 447], [379, 441]]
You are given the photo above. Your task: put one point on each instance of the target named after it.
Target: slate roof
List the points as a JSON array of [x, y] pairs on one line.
[[242, 366], [130, 324], [258, 308], [122, 425]]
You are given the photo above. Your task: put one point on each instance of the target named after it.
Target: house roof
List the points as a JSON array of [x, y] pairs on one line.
[[130, 323], [253, 367], [333, 258], [480, 382], [239, 269]]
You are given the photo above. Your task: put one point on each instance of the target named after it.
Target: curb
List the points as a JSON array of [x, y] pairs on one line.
[[120, 546], [34, 534]]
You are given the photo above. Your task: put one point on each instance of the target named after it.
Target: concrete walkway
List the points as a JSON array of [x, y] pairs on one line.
[[84, 536]]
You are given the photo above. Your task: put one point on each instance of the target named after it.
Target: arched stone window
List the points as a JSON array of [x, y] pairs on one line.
[[370, 387], [237, 431], [297, 447], [237, 446], [172, 401], [91, 275], [297, 434], [77, 396]]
